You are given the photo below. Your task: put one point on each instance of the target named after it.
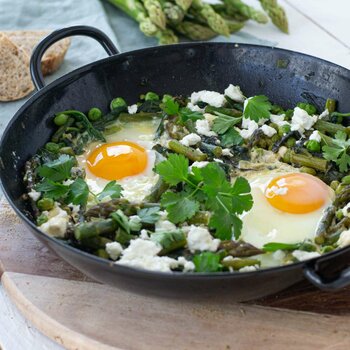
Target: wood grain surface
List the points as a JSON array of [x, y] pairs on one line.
[[21, 252]]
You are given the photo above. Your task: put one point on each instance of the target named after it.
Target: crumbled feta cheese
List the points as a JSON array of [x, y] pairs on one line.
[[199, 164], [164, 225], [249, 126], [144, 234], [56, 225], [34, 195], [268, 130], [344, 239], [75, 208], [346, 210], [143, 254], [282, 151], [203, 128], [228, 258], [301, 121], [194, 108], [213, 98], [210, 118], [199, 238], [324, 114], [132, 109], [278, 119], [301, 255], [234, 93], [279, 255], [68, 182], [315, 136], [114, 249], [272, 234], [190, 139], [188, 266], [217, 160], [227, 152], [248, 268]]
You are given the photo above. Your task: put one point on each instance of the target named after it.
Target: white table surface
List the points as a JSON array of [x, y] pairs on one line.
[[317, 27]]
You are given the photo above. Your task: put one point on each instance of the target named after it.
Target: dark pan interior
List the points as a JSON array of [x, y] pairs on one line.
[[284, 76]]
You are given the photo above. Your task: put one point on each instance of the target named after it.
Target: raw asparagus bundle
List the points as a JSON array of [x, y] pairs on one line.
[[196, 19]]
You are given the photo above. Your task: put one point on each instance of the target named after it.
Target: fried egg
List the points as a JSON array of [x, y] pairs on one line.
[[126, 157], [287, 208]]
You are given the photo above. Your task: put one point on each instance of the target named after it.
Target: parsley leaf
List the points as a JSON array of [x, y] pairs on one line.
[[52, 189], [179, 206], [207, 262], [257, 107], [57, 170], [225, 201], [122, 220], [112, 189], [231, 138], [171, 107], [337, 152], [223, 123], [149, 215], [78, 192], [186, 114], [173, 170]]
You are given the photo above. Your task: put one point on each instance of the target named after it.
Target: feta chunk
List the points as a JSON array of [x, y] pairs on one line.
[[301, 255], [143, 254], [249, 268], [315, 136], [56, 225], [234, 93], [114, 249], [346, 210], [278, 119], [190, 139], [344, 239], [199, 238], [324, 114], [268, 130], [301, 121], [276, 191], [194, 108], [34, 195], [201, 164], [188, 266], [164, 225], [203, 128], [132, 109], [213, 98], [249, 126], [227, 152]]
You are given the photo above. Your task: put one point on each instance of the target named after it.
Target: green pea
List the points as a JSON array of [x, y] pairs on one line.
[[52, 147], [313, 146], [94, 114], [61, 119], [339, 214], [307, 107], [45, 204], [151, 96], [117, 102], [166, 98], [346, 180], [283, 129], [290, 143], [41, 219]]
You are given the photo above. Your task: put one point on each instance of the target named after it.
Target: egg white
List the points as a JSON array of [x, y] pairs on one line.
[[136, 187], [264, 223]]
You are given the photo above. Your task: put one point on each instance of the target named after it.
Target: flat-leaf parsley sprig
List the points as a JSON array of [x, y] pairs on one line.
[[208, 189]]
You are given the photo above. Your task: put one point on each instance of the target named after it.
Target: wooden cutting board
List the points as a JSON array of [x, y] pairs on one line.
[[81, 314]]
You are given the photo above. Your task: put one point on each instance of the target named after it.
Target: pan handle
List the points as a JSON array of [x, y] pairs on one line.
[[35, 61], [341, 281]]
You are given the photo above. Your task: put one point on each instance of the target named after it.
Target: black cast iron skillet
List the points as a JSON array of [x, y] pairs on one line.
[[286, 77]]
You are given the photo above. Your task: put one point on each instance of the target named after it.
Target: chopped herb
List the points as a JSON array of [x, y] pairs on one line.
[[231, 138], [257, 107], [112, 190], [173, 170], [207, 262], [223, 123], [57, 170], [78, 192], [52, 189], [149, 215], [273, 246]]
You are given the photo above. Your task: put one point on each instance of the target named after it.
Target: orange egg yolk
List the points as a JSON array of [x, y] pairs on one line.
[[297, 193], [116, 160]]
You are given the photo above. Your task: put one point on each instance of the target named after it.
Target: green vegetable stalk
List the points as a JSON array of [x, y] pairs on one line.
[[245, 10], [276, 13], [155, 12]]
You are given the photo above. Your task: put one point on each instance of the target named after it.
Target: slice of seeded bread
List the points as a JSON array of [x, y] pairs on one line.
[[28, 39], [15, 80]]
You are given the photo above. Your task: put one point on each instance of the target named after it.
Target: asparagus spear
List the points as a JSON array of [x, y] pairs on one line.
[[324, 224], [331, 128], [214, 20], [91, 229], [155, 13], [239, 249], [174, 13], [189, 152], [167, 37], [184, 4], [237, 264], [195, 31], [233, 6], [228, 12], [304, 160], [276, 13]]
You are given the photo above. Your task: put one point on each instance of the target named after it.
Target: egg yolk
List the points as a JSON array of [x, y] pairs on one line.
[[116, 160], [297, 193]]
